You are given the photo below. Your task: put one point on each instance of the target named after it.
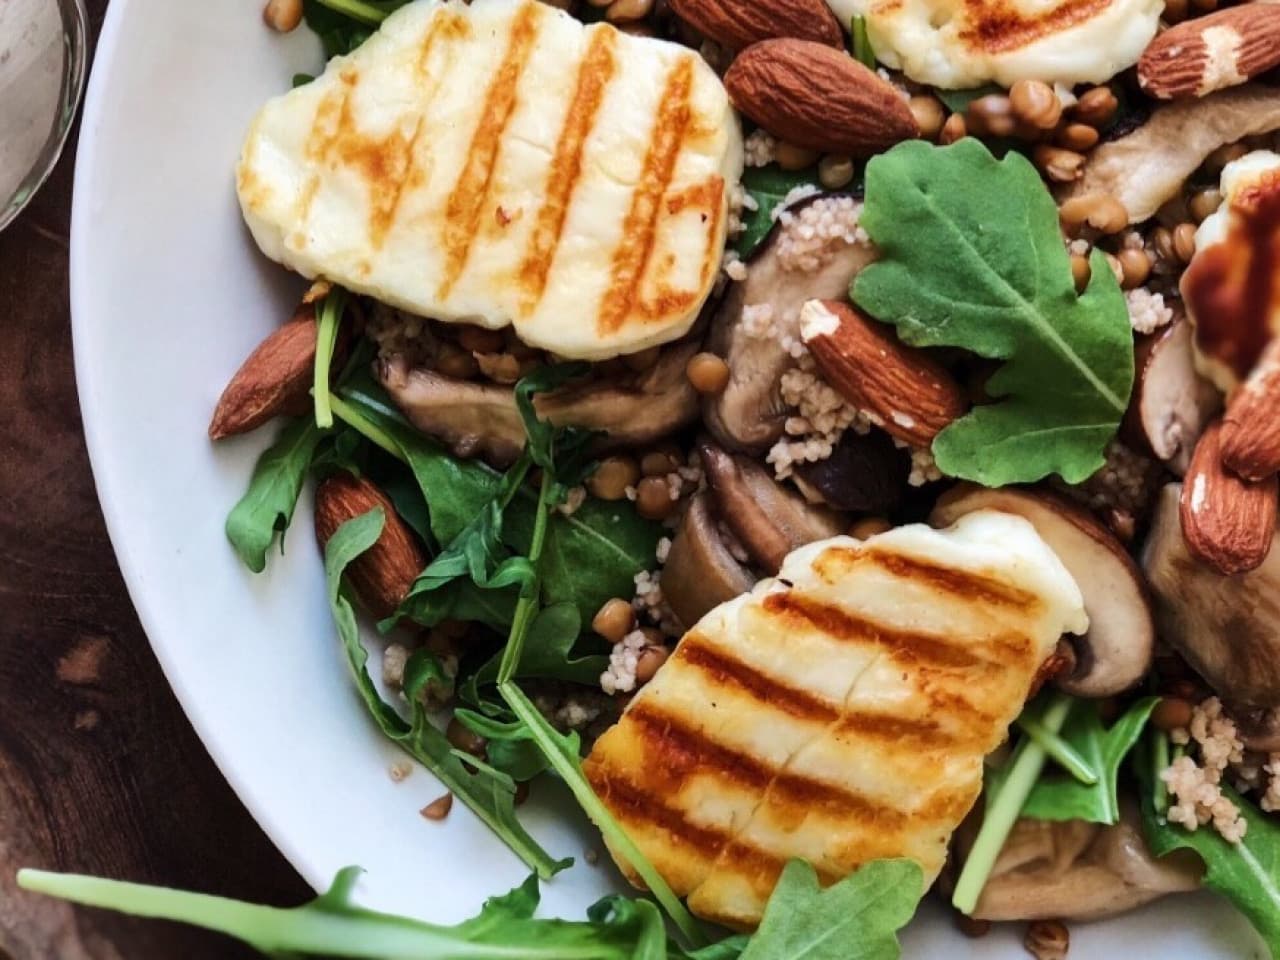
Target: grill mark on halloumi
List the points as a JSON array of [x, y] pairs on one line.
[[998, 29], [727, 671], [905, 645], [595, 72], [965, 584], [639, 230], [446, 26], [466, 202]]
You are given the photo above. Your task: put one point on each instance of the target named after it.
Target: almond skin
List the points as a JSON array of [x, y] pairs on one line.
[[1251, 427], [381, 577], [910, 393], [819, 98], [273, 380], [1224, 49], [735, 24], [1227, 522]]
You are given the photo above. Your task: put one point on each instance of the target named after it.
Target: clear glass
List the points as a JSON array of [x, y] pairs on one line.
[[42, 67]]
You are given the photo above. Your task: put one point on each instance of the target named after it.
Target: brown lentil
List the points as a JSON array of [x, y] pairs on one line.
[[1136, 267], [1080, 271], [282, 15], [653, 499], [1097, 107], [1047, 939], [1184, 241], [1171, 713], [954, 129], [659, 463], [991, 116], [707, 372], [1078, 136], [930, 115], [647, 664], [1061, 166], [614, 620], [791, 157], [972, 927], [464, 738], [835, 171], [869, 527], [480, 340], [499, 367], [1035, 103], [1104, 213], [456, 363], [612, 477], [1205, 204]]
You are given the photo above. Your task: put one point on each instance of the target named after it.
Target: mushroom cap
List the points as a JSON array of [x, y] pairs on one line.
[[701, 573], [1171, 404], [765, 516], [1227, 628], [1117, 650]]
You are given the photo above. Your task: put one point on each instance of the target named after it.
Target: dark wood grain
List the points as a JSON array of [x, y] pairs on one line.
[[99, 770]]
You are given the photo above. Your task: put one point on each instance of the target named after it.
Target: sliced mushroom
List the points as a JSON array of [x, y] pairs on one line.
[[701, 573], [1116, 652], [866, 473], [1081, 871], [768, 519], [1150, 166], [749, 414], [1259, 730], [1227, 628], [481, 419], [1172, 404]]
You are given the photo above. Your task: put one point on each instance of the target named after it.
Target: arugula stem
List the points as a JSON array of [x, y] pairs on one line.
[[328, 318], [1003, 809], [357, 10], [570, 770], [527, 605], [366, 428], [1061, 752], [1159, 764]]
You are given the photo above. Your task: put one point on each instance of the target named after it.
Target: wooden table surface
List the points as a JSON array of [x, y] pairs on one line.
[[99, 770]]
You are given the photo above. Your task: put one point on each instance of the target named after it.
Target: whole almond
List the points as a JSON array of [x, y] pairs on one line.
[[735, 24], [908, 392], [1227, 522], [819, 98], [274, 380], [1251, 427], [1224, 49], [381, 577]]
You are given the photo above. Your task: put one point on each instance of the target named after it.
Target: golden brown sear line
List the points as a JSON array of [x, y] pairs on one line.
[[594, 75], [640, 227], [467, 201], [448, 26], [999, 27], [960, 583]]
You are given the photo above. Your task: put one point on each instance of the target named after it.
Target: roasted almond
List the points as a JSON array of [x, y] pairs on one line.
[[381, 577], [1227, 522], [736, 24], [819, 98], [907, 392], [1251, 427], [274, 380], [1224, 49]]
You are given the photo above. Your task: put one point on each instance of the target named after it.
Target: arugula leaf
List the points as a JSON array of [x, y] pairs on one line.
[[548, 653], [267, 507], [419, 737], [510, 747], [972, 257], [768, 186], [1246, 873], [856, 919], [328, 319], [1065, 798], [957, 101], [862, 49], [332, 925], [562, 450], [343, 25]]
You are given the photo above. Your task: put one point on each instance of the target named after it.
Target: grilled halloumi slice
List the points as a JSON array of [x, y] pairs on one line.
[[839, 713], [503, 164], [958, 44]]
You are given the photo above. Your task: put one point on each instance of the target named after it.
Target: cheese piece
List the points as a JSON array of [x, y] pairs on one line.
[[503, 164], [839, 713], [960, 44]]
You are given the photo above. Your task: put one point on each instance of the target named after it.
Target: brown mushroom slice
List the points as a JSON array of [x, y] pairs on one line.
[[1081, 871], [1117, 650], [866, 473], [1227, 628], [1172, 404], [1259, 730], [748, 415], [767, 518], [482, 419], [1149, 166], [701, 573]]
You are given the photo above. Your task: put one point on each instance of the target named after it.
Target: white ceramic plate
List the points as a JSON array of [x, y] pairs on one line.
[[168, 296]]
